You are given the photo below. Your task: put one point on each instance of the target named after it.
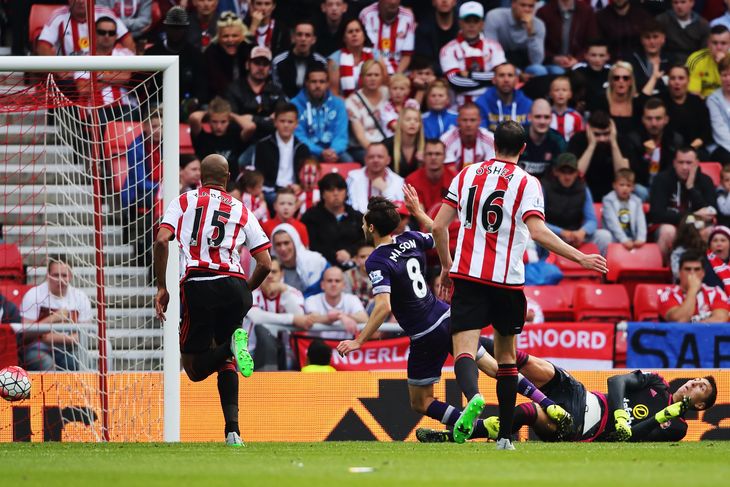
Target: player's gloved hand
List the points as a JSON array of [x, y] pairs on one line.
[[622, 426], [673, 410]]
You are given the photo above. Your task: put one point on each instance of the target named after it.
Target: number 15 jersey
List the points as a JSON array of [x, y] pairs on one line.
[[210, 225], [493, 200]]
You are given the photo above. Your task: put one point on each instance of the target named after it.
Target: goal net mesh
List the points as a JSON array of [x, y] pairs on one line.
[[81, 169]]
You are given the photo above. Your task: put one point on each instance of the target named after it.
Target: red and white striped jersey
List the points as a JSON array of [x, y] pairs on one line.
[[567, 124], [109, 93], [72, 37], [493, 200], [461, 155], [210, 225], [391, 41], [257, 205], [708, 299], [481, 57], [308, 199]]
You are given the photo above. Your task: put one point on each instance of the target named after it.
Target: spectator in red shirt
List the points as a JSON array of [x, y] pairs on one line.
[[692, 301], [285, 207], [431, 181]]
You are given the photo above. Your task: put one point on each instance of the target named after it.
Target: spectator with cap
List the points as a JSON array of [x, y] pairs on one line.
[[290, 67], [686, 30], [193, 82], [256, 96], [334, 227], [521, 35], [323, 121], [569, 211]]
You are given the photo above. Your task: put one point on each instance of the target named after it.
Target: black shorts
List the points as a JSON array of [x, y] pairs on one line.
[[570, 394], [211, 311], [475, 306]]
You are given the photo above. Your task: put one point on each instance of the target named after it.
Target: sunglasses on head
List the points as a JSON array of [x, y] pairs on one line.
[[228, 16], [102, 32], [619, 77]]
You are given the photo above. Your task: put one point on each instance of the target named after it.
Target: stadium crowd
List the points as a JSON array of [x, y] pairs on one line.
[[319, 105]]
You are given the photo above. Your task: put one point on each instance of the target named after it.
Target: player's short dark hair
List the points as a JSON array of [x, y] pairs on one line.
[[434, 142], [57, 259], [105, 18], [599, 120], [685, 149], [718, 29], [315, 67], [691, 255], [331, 181], [319, 353], [287, 107], [186, 159], [710, 401], [383, 215], [653, 103], [652, 26], [509, 138]]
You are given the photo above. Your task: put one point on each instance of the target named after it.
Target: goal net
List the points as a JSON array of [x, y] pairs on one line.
[[88, 161]]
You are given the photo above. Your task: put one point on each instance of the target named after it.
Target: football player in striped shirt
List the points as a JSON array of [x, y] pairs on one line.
[[210, 226], [500, 206]]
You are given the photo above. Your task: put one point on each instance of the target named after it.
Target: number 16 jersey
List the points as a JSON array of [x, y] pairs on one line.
[[210, 225], [398, 269], [493, 200]]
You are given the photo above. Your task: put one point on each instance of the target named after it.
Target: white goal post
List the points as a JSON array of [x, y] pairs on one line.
[[169, 67]]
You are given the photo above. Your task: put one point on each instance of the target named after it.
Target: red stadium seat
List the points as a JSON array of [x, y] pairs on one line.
[[8, 347], [40, 14], [14, 291], [186, 141], [342, 168], [713, 170], [636, 265], [572, 270], [601, 302], [556, 301], [11, 263], [646, 301], [118, 136], [598, 208]]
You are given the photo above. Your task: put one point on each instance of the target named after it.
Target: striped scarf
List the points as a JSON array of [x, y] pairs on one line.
[[721, 269], [348, 77]]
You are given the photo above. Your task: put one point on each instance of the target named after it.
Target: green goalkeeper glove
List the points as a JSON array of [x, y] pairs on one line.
[[622, 427], [673, 411]]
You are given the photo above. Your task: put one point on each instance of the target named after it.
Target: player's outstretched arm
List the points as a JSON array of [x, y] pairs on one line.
[[413, 205], [541, 234], [160, 250], [380, 313]]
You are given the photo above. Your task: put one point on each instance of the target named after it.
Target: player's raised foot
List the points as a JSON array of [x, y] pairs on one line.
[[505, 444], [464, 426], [239, 347], [562, 418], [492, 426], [234, 439], [428, 435]]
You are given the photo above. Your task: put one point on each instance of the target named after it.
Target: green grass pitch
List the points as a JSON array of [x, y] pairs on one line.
[[318, 464]]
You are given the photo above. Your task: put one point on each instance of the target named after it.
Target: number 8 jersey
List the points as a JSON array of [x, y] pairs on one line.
[[493, 200], [210, 225], [398, 268]]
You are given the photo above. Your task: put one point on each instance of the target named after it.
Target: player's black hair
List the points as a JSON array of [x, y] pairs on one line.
[[315, 67], [57, 259], [598, 42], [653, 103], [305, 21], [599, 120], [330, 181], [691, 255], [710, 401], [419, 61], [105, 18], [186, 159], [509, 138], [285, 107], [383, 215], [319, 353], [434, 142], [718, 29]]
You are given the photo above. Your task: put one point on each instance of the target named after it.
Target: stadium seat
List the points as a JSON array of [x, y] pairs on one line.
[[598, 209], [118, 136], [342, 168], [40, 14], [186, 141], [556, 301], [11, 263], [14, 291], [572, 270], [8, 347], [636, 265], [601, 302], [646, 301], [713, 170]]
